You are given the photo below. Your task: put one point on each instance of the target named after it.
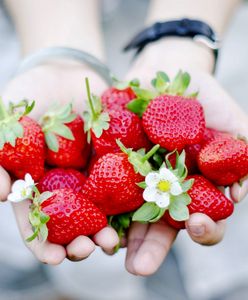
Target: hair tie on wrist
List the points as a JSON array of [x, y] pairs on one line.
[[63, 52]]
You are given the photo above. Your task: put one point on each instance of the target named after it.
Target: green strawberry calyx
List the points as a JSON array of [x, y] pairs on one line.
[[162, 85], [122, 85], [95, 119], [54, 124], [10, 127], [37, 218], [139, 159], [166, 189]]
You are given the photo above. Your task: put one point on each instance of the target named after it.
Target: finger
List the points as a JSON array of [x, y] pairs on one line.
[[136, 236], [46, 252], [80, 248], [107, 239], [152, 251], [203, 230], [239, 191], [5, 184]]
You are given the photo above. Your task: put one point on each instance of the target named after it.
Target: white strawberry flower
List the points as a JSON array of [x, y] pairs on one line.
[[160, 186], [21, 189]]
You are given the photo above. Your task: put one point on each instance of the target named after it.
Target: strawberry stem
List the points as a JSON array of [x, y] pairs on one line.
[[90, 99], [3, 112], [150, 153]]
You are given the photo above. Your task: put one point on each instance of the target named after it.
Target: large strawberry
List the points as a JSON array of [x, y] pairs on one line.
[[105, 127], [171, 120], [62, 178], [112, 184], [206, 199], [63, 215], [22, 145], [172, 195], [224, 160], [65, 138]]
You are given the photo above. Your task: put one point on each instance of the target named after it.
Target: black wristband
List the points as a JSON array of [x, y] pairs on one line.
[[195, 29]]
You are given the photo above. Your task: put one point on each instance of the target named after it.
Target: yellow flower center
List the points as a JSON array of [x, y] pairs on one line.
[[164, 186]]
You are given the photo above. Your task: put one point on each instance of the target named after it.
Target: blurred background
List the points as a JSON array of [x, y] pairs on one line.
[[191, 272]]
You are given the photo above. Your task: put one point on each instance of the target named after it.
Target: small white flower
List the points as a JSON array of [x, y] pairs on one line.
[[21, 189], [160, 186]]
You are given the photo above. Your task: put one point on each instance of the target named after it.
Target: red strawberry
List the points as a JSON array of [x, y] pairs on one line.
[[192, 151], [114, 98], [63, 215], [62, 178], [112, 185], [174, 122], [206, 199], [66, 140], [123, 125], [106, 127], [22, 145], [224, 160]]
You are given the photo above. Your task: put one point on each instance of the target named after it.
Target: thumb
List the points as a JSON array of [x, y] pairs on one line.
[[5, 184]]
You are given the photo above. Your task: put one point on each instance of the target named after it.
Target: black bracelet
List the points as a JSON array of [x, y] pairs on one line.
[[195, 29]]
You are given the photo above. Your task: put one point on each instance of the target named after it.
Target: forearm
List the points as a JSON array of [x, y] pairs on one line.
[[45, 23], [185, 53]]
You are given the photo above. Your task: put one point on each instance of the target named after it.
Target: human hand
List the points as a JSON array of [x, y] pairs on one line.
[[148, 244], [62, 83]]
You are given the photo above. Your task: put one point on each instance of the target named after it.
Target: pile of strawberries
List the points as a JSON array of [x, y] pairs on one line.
[[134, 154]]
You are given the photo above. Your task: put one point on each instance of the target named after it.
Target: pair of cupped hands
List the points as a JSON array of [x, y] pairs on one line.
[[147, 244]]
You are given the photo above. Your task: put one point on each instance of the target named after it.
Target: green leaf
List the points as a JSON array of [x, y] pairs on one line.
[[44, 196], [34, 218], [62, 130], [141, 184], [137, 106], [144, 94], [28, 108], [9, 136], [179, 84], [44, 218], [158, 159], [146, 212], [43, 232], [183, 198], [161, 82], [51, 141], [187, 184], [178, 210], [33, 236], [69, 118], [17, 129], [159, 216], [180, 163]]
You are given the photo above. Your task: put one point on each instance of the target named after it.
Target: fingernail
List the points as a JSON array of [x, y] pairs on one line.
[[243, 191], [197, 230]]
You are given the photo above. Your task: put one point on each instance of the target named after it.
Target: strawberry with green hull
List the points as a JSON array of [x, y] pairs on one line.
[[205, 199], [169, 118], [65, 138], [105, 127], [113, 181], [22, 144], [224, 160], [173, 196], [119, 95], [62, 178], [63, 215], [192, 151]]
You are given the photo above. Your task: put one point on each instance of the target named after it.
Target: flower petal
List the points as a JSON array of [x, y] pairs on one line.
[[152, 179], [166, 174], [14, 197], [149, 194], [29, 180], [18, 185], [176, 189], [163, 200]]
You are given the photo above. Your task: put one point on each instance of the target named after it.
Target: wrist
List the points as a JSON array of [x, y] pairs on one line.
[[172, 54]]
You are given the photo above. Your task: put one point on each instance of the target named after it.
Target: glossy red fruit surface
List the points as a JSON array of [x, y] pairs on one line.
[[71, 215], [112, 185], [174, 122], [62, 178], [127, 127], [28, 155]]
